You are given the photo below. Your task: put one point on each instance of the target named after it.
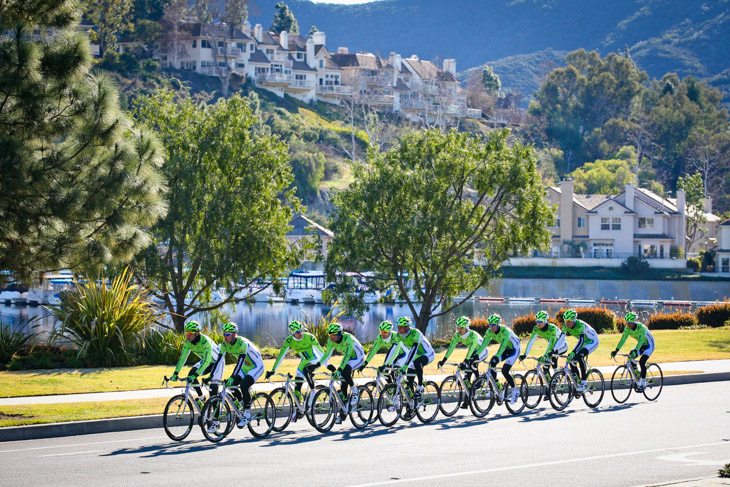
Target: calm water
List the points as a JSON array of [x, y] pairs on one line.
[[265, 324]]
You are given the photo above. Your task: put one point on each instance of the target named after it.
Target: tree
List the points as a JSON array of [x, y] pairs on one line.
[[603, 176], [150, 9], [693, 186], [284, 20], [437, 215], [313, 29], [491, 81], [229, 211], [79, 181], [709, 155], [110, 17], [174, 34]]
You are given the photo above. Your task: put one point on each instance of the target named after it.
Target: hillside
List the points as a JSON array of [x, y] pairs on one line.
[[675, 35]]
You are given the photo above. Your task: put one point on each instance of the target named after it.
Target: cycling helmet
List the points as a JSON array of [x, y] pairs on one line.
[[570, 315], [541, 316], [230, 328], [403, 321], [334, 329], [494, 319], [463, 322], [630, 317], [296, 326], [386, 325], [192, 327]]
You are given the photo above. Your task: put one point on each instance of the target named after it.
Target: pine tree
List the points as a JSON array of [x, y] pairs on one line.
[[284, 20]]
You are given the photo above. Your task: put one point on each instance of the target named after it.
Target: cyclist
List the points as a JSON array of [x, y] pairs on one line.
[[509, 350], [644, 344], [556, 343], [470, 365], [249, 367], [204, 348], [306, 345], [385, 339], [420, 352], [587, 343], [353, 356]]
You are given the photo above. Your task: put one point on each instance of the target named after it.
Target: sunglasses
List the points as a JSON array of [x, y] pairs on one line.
[[227, 334], [191, 333], [540, 322]]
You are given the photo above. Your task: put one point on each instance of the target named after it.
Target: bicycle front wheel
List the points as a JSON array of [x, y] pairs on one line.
[[284, 409], [263, 415], [428, 407], [373, 388], [621, 384], [178, 418], [482, 397], [451, 396], [362, 412], [390, 405], [595, 388], [533, 389], [519, 404], [654, 382], [216, 419], [323, 411], [561, 391]]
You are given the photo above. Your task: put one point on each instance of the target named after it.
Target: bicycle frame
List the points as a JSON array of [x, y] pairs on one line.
[[631, 366], [458, 374], [300, 406], [539, 370], [569, 371], [401, 388], [188, 386]]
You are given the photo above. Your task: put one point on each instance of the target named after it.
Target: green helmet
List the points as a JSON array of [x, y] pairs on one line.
[[334, 329], [570, 315], [230, 328], [386, 325], [630, 317], [494, 319], [192, 327], [403, 321], [296, 326], [541, 316], [463, 322]]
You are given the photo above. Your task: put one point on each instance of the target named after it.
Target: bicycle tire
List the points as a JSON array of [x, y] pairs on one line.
[[263, 415], [519, 405], [431, 402], [213, 418], [372, 387], [389, 402], [654, 374], [452, 395], [534, 389], [561, 391], [284, 408], [308, 407], [362, 413], [596, 388], [621, 384], [323, 411], [482, 397], [185, 419]]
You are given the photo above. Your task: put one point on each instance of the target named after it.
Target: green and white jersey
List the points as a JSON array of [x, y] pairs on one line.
[[551, 333], [416, 343], [587, 336], [349, 347], [308, 348], [205, 348], [380, 342], [640, 333], [504, 337], [249, 357], [471, 339]]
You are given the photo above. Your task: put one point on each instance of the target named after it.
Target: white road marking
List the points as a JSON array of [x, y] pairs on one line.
[[682, 458], [82, 444], [71, 453], [541, 464]]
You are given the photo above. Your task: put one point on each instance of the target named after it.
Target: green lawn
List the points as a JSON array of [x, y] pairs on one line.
[[78, 411]]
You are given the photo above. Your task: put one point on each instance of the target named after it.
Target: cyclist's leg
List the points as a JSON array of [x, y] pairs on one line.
[[581, 358], [509, 357], [196, 387], [644, 353], [303, 373]]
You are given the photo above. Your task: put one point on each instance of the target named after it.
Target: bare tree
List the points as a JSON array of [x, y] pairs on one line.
[[709, 155], [174, 33]]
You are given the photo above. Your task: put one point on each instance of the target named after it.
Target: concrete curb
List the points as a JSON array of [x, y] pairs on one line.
[[73, 428]]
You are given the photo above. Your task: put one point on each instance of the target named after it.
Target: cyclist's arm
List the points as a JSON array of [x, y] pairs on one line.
[[347, 354], [624, 336], [376, 346], [328, 352], [452, 346], [221, 358], [183, 357], [485, 343], [472, 346], [503, 345], [282, 353], [551, 343], [207, 358], [241, 359], [581, 338], [533, 337], [414, 349]]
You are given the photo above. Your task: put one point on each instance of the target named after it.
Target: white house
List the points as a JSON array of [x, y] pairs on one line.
[[722, 252]]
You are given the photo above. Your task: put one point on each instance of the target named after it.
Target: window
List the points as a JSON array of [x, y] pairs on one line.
[[220, 44], [204, 44], [557, 222], [269, 52], [725, 264], [240, 46], [321, 63], [195, 43], [251, 47], [616, 223], [649, 251], [602, 250], [605, 223], [206, 64], [581, 222], [222, 64], [240, 65], [646, 222]]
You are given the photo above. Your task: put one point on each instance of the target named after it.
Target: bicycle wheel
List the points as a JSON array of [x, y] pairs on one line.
[[429, 406], [621, 384], [323, 411], [373, 388], [518, 405], [595, 388], [482, 397], [561, 391], [390, 405], [308, 406], [654, 382], [263, 415], [533, 389], [178, 418], [217, 418], [361, 413], [284, 409], [451, 396]]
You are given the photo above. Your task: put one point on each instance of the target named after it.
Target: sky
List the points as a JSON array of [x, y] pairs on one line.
[[343, 2]]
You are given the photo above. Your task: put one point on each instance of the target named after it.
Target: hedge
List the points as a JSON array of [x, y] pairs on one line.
[[479, 325], [601, 319], [523, 325], [671, 321], [714, 315]]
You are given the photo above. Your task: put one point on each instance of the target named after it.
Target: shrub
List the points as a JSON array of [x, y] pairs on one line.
[[45, 357], [480, 325], [714, 315], [693, 264], [319, 328], [601, 319], [11, 342], [707, 259], [634, 265], [106, 324], [160, 348], [619, 325], [671, 321], [676, 252], [724, 472], [523, 325]]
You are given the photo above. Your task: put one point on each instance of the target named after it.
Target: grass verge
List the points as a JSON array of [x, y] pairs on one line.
[[78, 411]]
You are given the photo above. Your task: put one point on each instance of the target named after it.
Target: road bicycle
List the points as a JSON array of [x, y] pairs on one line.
[[536, 385], [290, 405], [222, 411], [626, 378], [397, 396], [180, 411], [328, 406], [486, 390], [376, 388], [454, 389], [564, 386]]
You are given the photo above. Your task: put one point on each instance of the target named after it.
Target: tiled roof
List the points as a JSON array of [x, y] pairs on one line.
[[319, 48], [655, 201], [297, 42], [401, 86], [331, 65], [300, 65], [362, 60], [725, 223], [590, 201], [424, 69], [267, 39], [258, 57], [446, 77]]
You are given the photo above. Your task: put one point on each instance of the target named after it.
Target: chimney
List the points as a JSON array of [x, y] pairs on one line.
[[258, 32], [246, 28], [450, 66], [708, 204], [343, 50], [565, 211], [681, 239], [284, 39], [630, 196], [319, 38], [310, 53], [681, 202]]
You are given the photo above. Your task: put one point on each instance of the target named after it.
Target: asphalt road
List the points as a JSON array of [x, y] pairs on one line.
[[686, 434]]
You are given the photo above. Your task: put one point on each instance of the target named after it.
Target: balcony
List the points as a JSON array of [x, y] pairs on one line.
[[473, 113], [334, 90], [413, 104], [379, 99], [301, 84], [227, 51], [431, 90], [274, 78], [379, 80]]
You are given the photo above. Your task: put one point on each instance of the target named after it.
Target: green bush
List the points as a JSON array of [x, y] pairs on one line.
[[714, 315], [707, 259], [11, 342], [724, 472], [676, 252], [479, 325], [671, 321], [693, 264], [319, 327], [601, 319], [523, 325], [634, 265], [46, 357]]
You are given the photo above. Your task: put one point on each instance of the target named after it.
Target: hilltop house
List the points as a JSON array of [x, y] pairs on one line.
[[722, 253]]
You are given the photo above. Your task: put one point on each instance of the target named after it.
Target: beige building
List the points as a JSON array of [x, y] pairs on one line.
[[722, 252]]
